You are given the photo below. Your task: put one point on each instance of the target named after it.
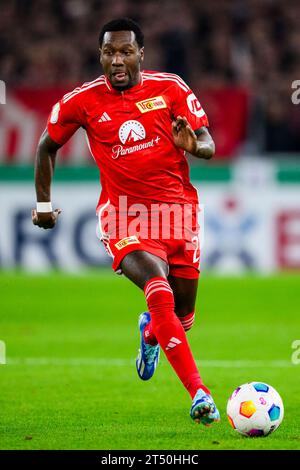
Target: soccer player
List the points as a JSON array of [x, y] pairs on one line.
[[139, 124]]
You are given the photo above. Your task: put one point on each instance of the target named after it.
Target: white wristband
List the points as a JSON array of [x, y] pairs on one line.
[[43, 207]]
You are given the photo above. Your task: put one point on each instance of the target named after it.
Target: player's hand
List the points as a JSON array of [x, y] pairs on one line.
[[183, 135], [45, 219]]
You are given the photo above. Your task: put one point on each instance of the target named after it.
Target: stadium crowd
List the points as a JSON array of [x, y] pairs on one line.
[[216, 43]]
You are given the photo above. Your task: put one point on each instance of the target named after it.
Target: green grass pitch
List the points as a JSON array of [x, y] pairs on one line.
[[70, 379]]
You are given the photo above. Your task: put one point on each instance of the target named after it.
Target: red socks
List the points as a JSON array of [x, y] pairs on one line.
[[166, 328], [187, 321], [149, 336]]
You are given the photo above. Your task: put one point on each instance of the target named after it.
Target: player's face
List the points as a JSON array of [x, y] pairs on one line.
[[121, 57]]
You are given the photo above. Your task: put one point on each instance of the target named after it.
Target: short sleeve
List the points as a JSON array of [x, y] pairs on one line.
[[185, 103], [64, 120]]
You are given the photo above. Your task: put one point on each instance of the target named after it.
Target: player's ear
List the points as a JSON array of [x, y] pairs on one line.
[[141, 54], [100, 55]]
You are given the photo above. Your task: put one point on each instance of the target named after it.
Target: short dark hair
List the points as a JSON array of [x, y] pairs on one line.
[[123, 24]]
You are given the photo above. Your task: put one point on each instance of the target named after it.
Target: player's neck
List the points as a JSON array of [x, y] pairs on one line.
[[130, 85]]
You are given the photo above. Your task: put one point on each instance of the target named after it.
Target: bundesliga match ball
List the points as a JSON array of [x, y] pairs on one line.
[[255, 409]]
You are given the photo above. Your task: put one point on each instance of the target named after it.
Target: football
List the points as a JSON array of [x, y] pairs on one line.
[[255, 409]]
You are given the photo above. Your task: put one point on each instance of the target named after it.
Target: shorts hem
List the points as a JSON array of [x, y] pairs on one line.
[[118, 260], [184, 272]]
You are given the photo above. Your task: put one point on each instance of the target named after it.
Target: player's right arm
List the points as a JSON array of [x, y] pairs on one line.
[[44, 169], [66, 117]]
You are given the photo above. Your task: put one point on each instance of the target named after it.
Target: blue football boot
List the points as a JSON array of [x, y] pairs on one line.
[[148, 355], [204, 409]]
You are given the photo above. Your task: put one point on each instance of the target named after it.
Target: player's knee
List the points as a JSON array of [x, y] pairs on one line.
[[187, 321]]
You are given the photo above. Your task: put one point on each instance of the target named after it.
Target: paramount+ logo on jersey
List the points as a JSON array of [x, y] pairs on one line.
[[151, 104], [132, 134], [131, 131]]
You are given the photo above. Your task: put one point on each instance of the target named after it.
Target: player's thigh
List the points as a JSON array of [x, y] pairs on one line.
[[185, 293], [140, 266]]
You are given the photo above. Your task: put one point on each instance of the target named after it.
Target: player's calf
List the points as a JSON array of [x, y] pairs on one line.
[[170, 333]]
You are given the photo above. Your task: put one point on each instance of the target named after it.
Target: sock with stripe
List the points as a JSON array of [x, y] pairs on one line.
[[187, 321], [170, 334]]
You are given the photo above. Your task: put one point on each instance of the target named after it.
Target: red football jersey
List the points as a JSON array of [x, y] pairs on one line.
[[130, 136]]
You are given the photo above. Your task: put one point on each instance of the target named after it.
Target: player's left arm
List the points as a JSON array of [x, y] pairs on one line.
[[199, 142]]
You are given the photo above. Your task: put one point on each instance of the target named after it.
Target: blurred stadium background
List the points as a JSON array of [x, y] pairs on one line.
[[240, 57]]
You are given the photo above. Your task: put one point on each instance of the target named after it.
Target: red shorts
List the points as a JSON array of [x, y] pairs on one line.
[[181, 251]]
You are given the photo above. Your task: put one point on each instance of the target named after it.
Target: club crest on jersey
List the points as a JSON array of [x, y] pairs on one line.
[[152, 104], [131, 131], [127, 241]]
